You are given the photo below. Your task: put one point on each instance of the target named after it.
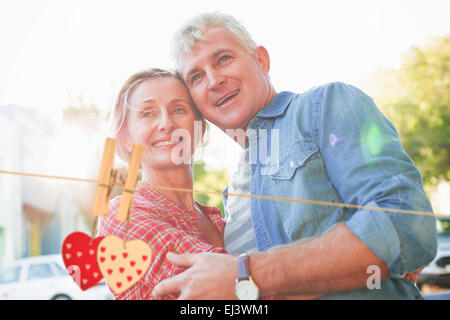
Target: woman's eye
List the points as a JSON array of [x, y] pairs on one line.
[[179, 111], [147, 114]]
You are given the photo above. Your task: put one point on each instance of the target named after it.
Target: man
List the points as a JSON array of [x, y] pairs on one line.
[[334, 145]]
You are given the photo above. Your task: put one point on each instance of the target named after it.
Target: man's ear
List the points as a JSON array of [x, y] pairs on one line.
[[201, 140], [203, 127], [263, 59]]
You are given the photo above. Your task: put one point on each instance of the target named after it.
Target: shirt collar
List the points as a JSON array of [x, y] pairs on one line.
[[277, 106]]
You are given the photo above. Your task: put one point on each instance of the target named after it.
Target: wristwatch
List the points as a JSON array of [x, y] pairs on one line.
[[245, 288]]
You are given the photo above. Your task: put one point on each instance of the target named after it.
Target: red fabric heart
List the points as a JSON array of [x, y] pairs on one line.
[[77, 252]]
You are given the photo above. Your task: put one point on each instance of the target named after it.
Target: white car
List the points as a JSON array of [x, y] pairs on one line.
[[45, 278], [437, 273]]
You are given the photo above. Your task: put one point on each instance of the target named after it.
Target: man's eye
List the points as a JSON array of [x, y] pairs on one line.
[[195, 78], [224, 58]]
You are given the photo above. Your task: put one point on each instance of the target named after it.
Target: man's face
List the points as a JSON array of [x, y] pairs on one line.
[[227, 83]]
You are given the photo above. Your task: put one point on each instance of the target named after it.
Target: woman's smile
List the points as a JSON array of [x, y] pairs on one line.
[[166, 143]]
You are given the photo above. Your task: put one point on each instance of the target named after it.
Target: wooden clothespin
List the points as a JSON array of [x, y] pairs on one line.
[[105, 179], [130, 185]]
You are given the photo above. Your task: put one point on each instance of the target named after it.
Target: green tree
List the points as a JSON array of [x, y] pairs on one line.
[[209, 181], [416, 98]]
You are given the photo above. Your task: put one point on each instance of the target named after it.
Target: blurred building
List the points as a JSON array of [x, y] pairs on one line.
[[36, 214]]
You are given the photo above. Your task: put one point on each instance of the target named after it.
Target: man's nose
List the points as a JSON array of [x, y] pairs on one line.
[[215, 80]]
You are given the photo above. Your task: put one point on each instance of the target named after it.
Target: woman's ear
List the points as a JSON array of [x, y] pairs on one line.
[[263, 59], [126, 142]]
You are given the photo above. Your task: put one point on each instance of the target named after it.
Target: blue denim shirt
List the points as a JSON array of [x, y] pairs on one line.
[[334, 145]]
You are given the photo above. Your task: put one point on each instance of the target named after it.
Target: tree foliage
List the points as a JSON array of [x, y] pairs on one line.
[[416, 97], [209, 181]]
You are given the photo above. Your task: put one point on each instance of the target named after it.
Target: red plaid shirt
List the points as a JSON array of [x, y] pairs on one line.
[[165, 227]]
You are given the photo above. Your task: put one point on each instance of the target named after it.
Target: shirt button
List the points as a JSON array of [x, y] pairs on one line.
[[292, 164]]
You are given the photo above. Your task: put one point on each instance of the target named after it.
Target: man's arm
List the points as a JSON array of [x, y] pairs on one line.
[[336, 261], [368, 166]]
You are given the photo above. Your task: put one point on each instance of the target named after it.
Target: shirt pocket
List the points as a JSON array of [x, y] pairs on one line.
[[297, 156], [302, 175]]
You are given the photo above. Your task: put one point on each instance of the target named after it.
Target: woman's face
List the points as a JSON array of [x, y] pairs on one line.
[[161, 117]]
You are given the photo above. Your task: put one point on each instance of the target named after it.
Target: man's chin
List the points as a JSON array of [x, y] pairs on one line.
[[231, 126], [235, 131]]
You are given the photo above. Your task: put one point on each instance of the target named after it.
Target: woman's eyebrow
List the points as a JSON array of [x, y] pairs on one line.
[[178, 100], [142, 102]]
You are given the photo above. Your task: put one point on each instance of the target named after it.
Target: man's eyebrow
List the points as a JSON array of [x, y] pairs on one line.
[[188, 74], [218, 52], [215, 54]]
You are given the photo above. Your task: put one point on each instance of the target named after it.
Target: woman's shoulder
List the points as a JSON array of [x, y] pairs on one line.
[[143, 211], [141, 206], [214, 211], [214, 214]]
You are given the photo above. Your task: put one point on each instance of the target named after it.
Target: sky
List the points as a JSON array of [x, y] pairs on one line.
[[52, 52]]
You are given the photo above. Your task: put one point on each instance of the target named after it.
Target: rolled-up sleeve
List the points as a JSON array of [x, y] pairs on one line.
[[367, 165]]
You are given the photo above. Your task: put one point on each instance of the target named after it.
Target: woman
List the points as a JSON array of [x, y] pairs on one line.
[[151, 106]]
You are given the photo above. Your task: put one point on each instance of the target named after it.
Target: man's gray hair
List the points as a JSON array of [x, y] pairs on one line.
[[192, 31]]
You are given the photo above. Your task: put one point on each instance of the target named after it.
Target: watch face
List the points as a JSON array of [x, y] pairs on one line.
[[247, 290]]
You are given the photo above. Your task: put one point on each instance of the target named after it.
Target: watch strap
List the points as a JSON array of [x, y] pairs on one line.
[[243, 270]]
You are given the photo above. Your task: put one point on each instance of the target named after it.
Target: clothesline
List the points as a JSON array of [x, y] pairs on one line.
[[156, 187]]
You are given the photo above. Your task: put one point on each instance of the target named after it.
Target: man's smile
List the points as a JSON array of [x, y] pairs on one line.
[[225, 99]]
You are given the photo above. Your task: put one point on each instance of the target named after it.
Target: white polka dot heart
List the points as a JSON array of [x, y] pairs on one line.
[[121, 263]]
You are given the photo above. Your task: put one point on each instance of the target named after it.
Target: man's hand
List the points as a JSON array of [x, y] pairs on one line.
[[208, 276], [413, 276]]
